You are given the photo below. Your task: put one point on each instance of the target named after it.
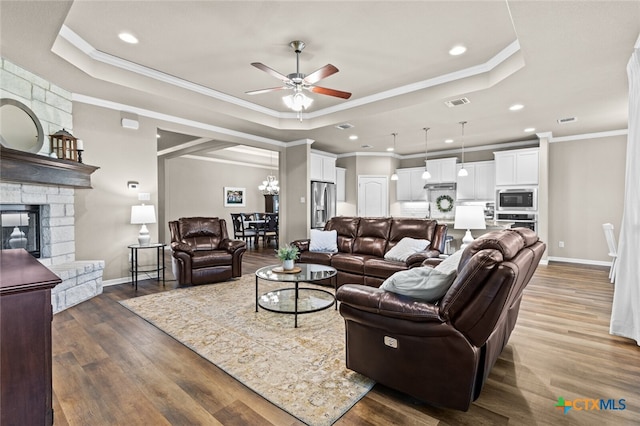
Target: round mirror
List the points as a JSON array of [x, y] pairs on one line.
[[19, 127]]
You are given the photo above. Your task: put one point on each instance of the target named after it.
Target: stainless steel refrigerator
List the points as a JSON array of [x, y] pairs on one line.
[[323, 203]]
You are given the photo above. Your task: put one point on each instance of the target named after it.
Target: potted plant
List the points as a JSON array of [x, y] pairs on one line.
[[287, 254]]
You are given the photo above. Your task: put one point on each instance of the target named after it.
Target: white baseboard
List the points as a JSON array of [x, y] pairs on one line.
[[127, 280], [580, 261]]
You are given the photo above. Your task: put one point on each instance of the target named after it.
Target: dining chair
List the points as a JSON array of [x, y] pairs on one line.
[[269, 229], [239, 230], [613, 249]]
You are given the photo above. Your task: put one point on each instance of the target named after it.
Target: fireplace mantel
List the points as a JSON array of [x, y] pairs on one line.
[[25, 167]]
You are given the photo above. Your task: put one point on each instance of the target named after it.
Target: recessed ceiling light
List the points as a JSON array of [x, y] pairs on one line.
[[530, 129], [128, 38], [516, 107], [448, 141], [457, 50], [353, 137], [390, 149]]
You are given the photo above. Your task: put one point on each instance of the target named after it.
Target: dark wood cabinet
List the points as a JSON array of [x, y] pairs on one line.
[[25, 339], [271, 203]]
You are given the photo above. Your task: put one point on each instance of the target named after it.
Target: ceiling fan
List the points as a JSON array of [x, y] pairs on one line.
[[297, 82]]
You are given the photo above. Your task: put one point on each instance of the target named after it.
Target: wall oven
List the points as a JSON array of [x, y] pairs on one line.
[[518, 220], [522, 199]]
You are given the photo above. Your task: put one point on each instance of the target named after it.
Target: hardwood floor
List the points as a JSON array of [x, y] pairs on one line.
[[112, 367]]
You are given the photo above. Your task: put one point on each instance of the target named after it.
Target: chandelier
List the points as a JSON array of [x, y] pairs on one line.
[[270, 186]]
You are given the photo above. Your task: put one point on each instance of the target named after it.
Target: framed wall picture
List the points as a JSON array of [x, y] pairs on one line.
[[234, 197]]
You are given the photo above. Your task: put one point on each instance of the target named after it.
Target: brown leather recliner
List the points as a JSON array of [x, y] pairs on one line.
[[442, 352], [203, 251]]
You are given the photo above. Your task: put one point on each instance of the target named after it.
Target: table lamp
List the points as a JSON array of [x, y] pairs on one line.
[[141, 215], [469, 217]]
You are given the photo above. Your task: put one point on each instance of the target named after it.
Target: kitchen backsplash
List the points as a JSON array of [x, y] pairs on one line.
[[421, 209]]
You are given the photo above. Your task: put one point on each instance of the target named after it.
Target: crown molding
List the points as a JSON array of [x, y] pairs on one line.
[[584, 136], [75, 97]]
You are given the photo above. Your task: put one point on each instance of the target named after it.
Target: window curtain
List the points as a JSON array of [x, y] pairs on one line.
[[625, 313]]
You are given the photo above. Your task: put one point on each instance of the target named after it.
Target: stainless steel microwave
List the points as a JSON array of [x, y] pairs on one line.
[[523, 199]]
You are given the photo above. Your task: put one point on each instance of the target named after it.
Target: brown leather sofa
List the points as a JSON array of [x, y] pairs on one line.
[[203, 252], [442, 352], [363, 242]]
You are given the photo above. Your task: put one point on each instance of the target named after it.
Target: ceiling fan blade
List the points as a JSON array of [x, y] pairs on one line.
[[330, 92], [271, 89], [320, 73], [271, 71]]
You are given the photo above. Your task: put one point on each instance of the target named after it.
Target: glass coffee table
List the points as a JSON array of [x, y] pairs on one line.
[[296, 300]]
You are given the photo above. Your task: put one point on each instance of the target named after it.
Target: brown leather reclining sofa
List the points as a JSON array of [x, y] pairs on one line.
[[442, 352], [363, 242], [203, 251]]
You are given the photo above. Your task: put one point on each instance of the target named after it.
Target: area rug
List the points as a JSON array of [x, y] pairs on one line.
[[301, 370]]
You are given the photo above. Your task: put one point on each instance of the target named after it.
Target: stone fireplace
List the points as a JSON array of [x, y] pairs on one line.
[[81, 280]]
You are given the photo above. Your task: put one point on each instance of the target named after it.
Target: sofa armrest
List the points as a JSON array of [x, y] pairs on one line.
[[416, 259], [432, 262], [178, 248], [388, 304], [303, 245], [232, 246]]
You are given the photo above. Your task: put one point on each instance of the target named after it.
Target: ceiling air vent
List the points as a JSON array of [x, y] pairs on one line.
[[457, 102], [567, 120], [344, 126]]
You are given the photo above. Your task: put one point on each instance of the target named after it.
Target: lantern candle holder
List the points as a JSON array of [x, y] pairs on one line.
[[64, 145]]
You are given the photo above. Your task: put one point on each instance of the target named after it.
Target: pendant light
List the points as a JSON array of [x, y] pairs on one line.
[[425, 175], [394, 176], [463, 172]]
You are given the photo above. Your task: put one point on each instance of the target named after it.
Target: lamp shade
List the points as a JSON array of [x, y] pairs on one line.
[[143, 214], [469, 217]]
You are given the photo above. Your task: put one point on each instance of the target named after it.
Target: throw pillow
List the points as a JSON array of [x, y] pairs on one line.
[[424, 283], [450, 264], [326, 241], [405, 248]]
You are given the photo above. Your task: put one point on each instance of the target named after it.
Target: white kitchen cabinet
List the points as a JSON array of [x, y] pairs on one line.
[[485, 180], [479, 185], [322, 167], [410, 185], [516, 167], [466, 185], [442, 170], [341, 181], [403, 185]]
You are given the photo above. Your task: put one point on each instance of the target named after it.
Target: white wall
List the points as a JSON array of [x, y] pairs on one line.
[[195, 187], [586, 189]]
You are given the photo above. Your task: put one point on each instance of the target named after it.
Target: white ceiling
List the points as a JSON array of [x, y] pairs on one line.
[[558, 59]]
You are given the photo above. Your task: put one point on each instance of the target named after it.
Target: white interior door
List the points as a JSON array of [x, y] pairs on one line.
[[373, 196]]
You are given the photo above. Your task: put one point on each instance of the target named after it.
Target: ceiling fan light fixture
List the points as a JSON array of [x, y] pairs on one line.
[[298, 101]]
